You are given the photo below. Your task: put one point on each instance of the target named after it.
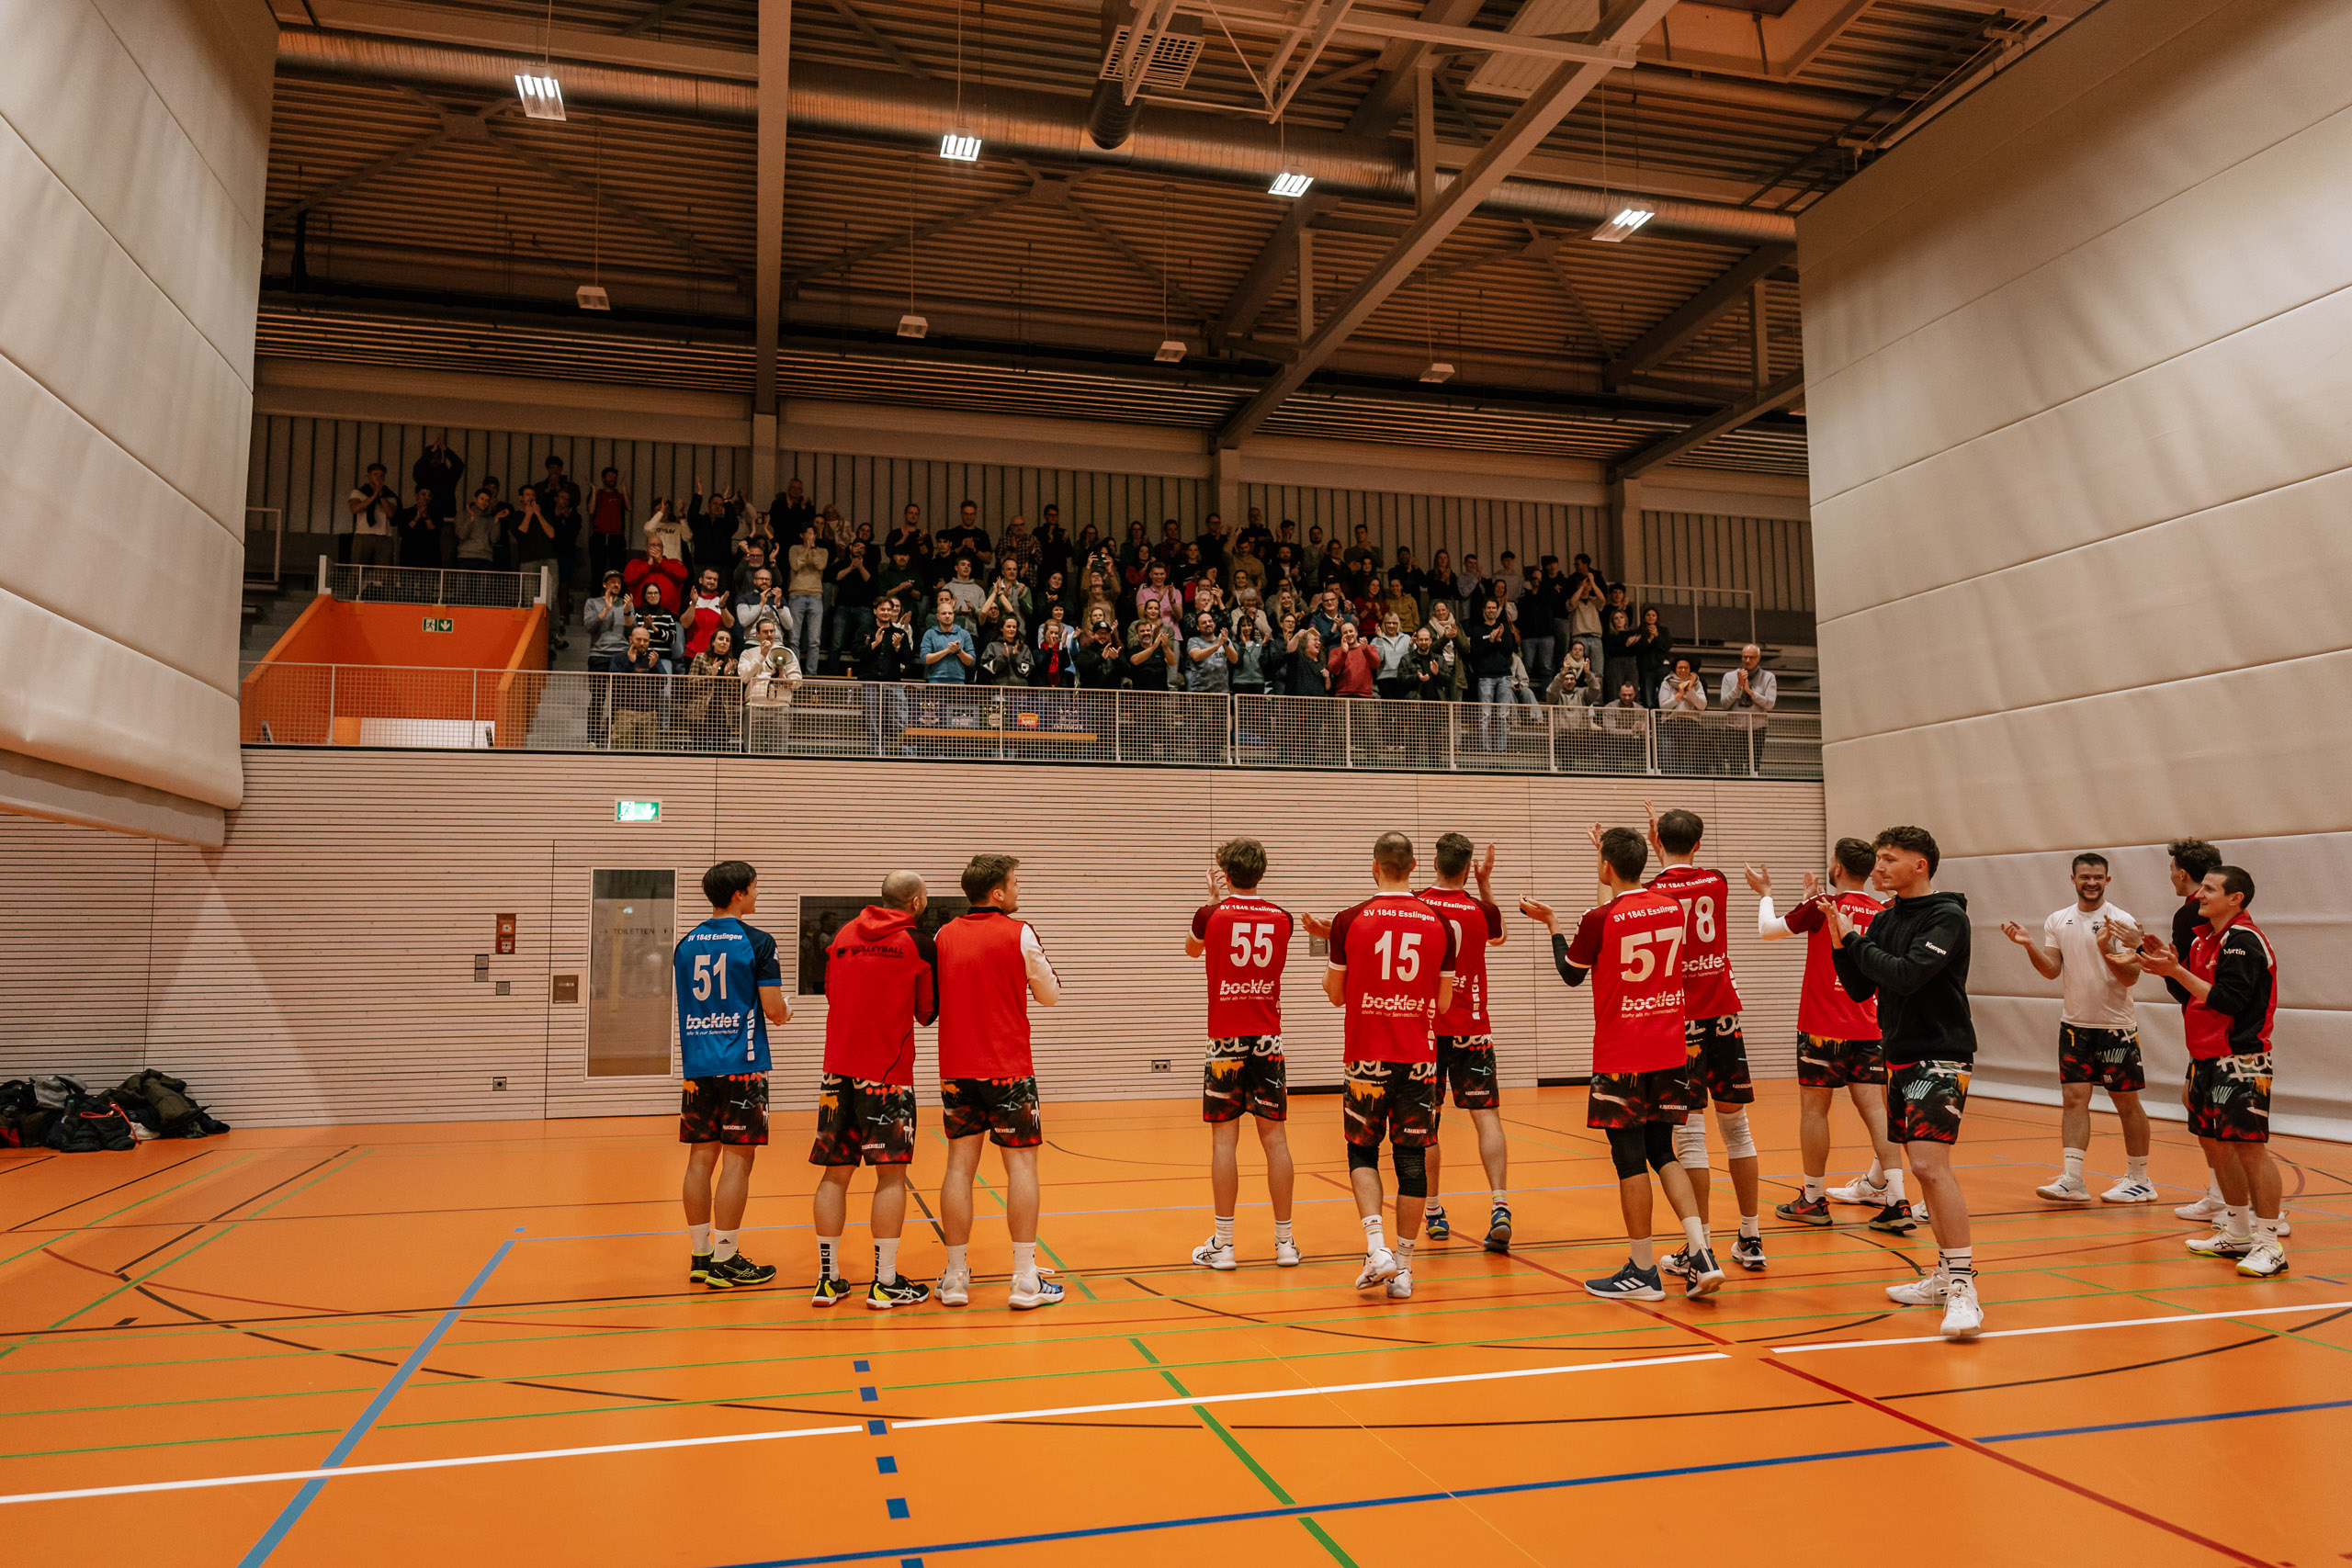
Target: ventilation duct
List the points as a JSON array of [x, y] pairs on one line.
[[1169, 54]]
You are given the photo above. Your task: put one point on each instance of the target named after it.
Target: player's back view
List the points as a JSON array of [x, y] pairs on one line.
[[1246, 941]]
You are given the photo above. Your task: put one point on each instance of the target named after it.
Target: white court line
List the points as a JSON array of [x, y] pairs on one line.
[[211, 1481], [2054, 1328]]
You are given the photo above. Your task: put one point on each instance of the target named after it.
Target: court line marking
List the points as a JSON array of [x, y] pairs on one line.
[[330, 1472], [2063, 1327]]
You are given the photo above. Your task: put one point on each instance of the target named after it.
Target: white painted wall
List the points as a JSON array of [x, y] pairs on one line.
[[2079, 355], [133, 154]]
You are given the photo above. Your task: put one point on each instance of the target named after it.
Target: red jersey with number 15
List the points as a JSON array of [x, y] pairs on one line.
[[1823, 1006], [1392, 950], [1705, 897], [1248, 941], [1632, 944], [1475, 924]]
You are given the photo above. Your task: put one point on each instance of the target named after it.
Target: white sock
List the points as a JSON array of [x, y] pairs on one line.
[[1751, 1225], [1879, 1173], [1814, 1186], [2135, 1166], [1432, 1207], [1695, 1230], [1894, 1187], [1643, 1254], [885, 1259], [698, 1238], [829, 1256], [1024, 1262], [958, 1261], [722, 1244], [2266, 1232], [1374, 1237], [1501, 1198], [1404, 1255], [1957, 1260], [1225, 1230], [2075, 1158], [1282, 1232], [2239, 1225]]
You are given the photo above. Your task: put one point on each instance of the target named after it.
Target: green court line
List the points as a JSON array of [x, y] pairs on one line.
[[174, 1404], [174, 1443], [1064, 1270], [73, 1230]]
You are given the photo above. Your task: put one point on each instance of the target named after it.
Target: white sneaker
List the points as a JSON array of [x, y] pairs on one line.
[[2220, 1244], [956, 1287], [2266, 1260], [2130, 1191], [1928, 1290], [1963, 1314], [1861, 1190], [1287, 1255], [1215, 1254], [1042, 1293], [1401, 1287], [2204, 1211], [2066, 1189], [1379, 1268]]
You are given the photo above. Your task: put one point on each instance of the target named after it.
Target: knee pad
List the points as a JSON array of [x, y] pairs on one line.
[[1412, 1172], [1364, 1156], [1738, 1142], [1626, 1149], [1690, 1142], [1657, 1143]]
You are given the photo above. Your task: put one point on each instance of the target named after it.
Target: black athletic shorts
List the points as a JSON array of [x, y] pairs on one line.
[[860, 1120], [2107, 1058], [1718, 1064], [1924, 1101], [1005, 1109], [1466, 1064], [2229, 1098], [1245, 1072], [1824, 1063], [732, 1110], [1395, 1098], [1630, 1099]]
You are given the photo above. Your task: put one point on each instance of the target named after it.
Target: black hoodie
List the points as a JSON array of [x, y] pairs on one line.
[[1913, 958]]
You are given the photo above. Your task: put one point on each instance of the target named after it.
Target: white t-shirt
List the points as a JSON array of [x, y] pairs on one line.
[[2096, 997]]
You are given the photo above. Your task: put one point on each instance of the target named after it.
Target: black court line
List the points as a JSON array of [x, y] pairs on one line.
[[93, 1197], [2133, 1366]]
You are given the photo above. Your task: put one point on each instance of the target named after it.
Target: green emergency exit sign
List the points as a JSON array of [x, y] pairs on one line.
[[636, 811], [439, 623]]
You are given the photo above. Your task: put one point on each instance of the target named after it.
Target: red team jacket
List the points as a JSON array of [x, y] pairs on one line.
[[1392, 950], [1475, 925], [1249, 943], [1824, 1009], [2235, 1018], [984, 995], [1705, 898], [1632, 944], [878, 984]]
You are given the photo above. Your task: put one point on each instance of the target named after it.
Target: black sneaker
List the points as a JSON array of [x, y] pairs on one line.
[[828, 1292], [1703, 1275], [727, 1273], [1749, 1252], [1629, 1284], [1806, 1211], [1895, 1219], [900, 1292], [698, 1270], [1499, 1228]]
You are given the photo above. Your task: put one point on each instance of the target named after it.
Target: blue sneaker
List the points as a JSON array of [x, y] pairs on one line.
[[1629, 1284], [1499, 1228], [1047, 1293], [1433, 1224]]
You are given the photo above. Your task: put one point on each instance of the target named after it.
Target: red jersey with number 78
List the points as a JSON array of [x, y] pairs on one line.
[[1705, 898], [1476, 923], [1632, 944], [1249, 941], [1393, 951]]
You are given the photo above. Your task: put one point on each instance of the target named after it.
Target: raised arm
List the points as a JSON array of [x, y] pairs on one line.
[[2046, 962]]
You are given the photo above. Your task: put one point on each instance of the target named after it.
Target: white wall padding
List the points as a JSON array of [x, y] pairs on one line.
[[133, 159], [287, 998]]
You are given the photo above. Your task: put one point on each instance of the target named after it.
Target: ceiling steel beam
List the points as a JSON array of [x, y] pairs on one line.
[[898, 57], [668, 234], [1521, 134], [653, 16], [1695, 314], [358, 178], [1779, 394]]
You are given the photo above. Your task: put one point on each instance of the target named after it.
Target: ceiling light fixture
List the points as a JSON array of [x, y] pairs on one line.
[[1290, 183], [960, 145], [591, 294], [1438, 372], [1172, 351], [912, 325], [1622, 227], [542, 95], [592, 298]]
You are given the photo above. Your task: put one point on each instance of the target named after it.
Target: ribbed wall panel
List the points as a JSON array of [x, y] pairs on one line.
[[320, 968]]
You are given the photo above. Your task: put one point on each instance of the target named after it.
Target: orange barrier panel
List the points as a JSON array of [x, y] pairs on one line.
[[340, 664]]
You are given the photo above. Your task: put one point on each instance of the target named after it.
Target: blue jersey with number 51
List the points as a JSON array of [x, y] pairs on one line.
[[722, 963]]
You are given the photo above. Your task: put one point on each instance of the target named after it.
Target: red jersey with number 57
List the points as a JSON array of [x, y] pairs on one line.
[[1476, 923], [1823, 1006], [1249, 941], [1392, 950], [1705, 897], [1632, 944]]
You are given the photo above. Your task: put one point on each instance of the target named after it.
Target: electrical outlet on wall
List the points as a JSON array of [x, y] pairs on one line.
[[497, 1085], [1159, 1064]]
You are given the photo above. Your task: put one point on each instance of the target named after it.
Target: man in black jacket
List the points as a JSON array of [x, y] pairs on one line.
[[1914, 959]]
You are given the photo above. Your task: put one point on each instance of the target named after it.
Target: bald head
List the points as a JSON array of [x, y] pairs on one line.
[[904, 890]]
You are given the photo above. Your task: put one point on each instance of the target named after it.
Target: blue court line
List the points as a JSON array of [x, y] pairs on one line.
[[375, 1407], [2168, 1421]]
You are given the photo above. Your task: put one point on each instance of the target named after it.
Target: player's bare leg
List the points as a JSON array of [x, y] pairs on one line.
[[830, 1212], [1282, 1181], [1225, 1166], [956, 1217], [702, 1165]]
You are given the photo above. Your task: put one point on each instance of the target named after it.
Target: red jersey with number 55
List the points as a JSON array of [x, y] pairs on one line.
[[1705, 897], [1249, 941], [1823, 1006], [1392, 950], [1632, 944], [1475, 924]]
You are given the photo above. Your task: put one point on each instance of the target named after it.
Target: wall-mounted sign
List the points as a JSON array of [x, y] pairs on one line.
[[636, 811], [565, 988], [505, 933], [439, 623]]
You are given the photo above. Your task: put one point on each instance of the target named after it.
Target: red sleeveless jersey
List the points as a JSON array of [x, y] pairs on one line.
[[984, 997], [1249, 943], [1632, 944]]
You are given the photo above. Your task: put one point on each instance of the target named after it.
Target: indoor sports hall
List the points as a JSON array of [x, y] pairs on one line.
[[1295, 781]]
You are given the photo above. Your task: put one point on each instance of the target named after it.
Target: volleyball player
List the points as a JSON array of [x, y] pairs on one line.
[[2232, 978], [991, 968], [1247, 942], [1837, 1045], [1912, 956], [1717, 1050], [730, 989], [1465, 1041], [1392, 968], [2098, 1035], [879, 983], [1631, 944]]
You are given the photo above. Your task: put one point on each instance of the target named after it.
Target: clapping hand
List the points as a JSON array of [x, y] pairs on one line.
[[1759, 879], [1540, 913], [2016, 933], [1321, 929]]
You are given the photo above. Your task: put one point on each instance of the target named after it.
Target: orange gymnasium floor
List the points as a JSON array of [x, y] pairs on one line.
[[463, 1344]]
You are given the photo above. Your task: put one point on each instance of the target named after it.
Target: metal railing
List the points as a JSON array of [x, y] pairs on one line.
[[328, 705], [266, 541], [438, 585], [1698, 615]]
